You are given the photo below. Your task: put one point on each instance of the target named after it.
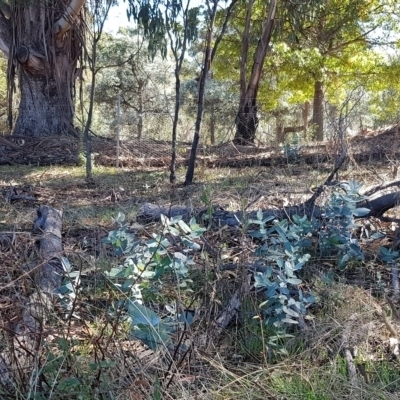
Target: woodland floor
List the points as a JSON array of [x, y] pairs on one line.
[[312, 369]]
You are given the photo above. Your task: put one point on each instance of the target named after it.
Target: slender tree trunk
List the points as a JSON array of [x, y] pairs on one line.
[[212, 125], [200, 111], [247, 120], [140, 112], [87, 135], [200, 102], [172, 176], [280, 130], [305, 115], [318, 110], [100, 15], [209, 55]]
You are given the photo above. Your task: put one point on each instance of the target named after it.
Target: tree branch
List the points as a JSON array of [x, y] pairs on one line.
[[5, 37], [63, 25]]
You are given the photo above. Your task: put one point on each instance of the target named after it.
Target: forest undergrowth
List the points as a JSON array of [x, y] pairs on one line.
[[179, 309]]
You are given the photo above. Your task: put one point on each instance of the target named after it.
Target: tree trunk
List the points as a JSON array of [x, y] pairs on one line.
[[19, 360], [305, 114], [141, 88], [201, 92], [212, 125], [246, 123], [43, 50], [246, 120], [318, 111], [46, 108], [209, 55], [152, 212], [172, 166], [280, 129]]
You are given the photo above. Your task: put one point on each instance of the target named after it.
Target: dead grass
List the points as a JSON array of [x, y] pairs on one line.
[[239, 366]]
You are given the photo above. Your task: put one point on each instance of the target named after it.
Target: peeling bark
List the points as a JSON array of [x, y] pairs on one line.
[[71, 13], [43, 43]]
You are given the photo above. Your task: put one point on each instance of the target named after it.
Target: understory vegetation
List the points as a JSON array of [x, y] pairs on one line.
[[273, 308]]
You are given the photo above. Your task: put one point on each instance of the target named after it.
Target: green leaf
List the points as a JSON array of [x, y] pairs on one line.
[[294, 281], [173, 231], [120, 218], [141, 314], [157, 389], [66, 264], [165, 220], [289, 321], [360, 212], [184, 226], [290, 312]]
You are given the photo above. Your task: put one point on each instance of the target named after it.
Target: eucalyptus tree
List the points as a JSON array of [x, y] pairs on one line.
[[127, 71], [220, 104], [168, 25], [333, 31], [43, 42], [210, 49], [322, 40], [247, 118]]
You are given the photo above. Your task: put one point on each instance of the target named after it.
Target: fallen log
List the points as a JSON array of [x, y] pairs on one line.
[[152, 212], [25, 337]]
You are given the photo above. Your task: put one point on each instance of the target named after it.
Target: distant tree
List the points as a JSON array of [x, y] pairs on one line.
[[220, 105], [299, 58], [127, 71], [173, 24], [210, 49], [247, 118], [333, 31]]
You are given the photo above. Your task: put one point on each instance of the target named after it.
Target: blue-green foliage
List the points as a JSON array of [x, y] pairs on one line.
[[283, 251], [339, 223], [284, 248], [389, 256], [146, 264], [70, 288]]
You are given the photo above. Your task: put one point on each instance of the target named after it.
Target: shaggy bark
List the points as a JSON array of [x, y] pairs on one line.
[[43, 51], [20, 359]]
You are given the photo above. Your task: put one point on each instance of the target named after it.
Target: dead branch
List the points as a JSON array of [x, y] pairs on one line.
[[311, 201], [152, 212], [382, 186], [12, 196], [346, 335], [20, 357]]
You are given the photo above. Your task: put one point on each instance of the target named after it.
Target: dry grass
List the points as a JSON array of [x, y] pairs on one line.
[[239, 365]]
